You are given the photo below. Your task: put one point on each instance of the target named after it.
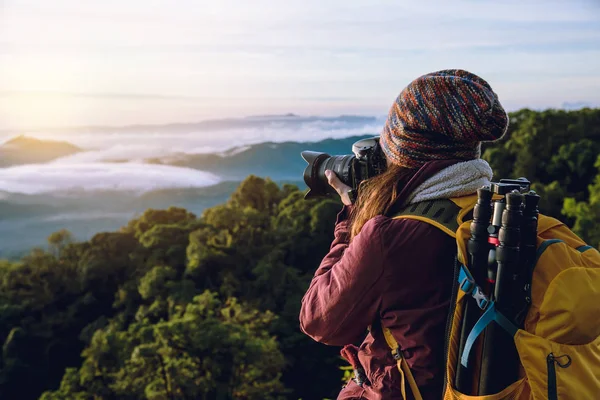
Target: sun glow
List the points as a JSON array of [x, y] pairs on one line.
[[80, 63], [38, 110]]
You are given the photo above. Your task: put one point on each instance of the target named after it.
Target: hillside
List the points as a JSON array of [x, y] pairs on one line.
[[27, 150], [176, 304], [278, 161], [29, 219]]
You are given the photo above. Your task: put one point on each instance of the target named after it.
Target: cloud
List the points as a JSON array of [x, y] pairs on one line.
[[157, 62], [86, 216], [577, 105], [119, 144], [99, 95], [115, 160], [45, 178], [54, 94]]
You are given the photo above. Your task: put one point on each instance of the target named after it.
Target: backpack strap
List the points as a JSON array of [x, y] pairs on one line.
[[405, 373], [442, 213], [446, 215]]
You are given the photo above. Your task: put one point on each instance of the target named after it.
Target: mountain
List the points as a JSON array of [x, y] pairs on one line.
[[26, 150], [576, 105], [284, 121], [27, 220], [278, 161]]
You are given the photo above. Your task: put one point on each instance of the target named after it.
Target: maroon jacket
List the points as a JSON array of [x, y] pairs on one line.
[[397, 273]]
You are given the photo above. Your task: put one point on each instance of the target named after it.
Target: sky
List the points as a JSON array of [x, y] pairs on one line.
[[122, 62]]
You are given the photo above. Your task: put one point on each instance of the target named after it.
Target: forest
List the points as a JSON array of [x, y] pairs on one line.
[[182, 306]]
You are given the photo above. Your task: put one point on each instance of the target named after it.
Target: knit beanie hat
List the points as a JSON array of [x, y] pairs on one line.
[[442, 115]]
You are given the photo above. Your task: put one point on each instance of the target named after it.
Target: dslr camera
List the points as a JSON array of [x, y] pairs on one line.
[[367, 161]]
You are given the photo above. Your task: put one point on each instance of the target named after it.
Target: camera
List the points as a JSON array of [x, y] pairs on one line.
[[367, 161]]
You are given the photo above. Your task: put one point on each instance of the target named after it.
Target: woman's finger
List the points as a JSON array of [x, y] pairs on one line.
[[341, 188], [335, 182]]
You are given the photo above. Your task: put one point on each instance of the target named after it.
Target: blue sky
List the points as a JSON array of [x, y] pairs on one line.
[[116, 62]]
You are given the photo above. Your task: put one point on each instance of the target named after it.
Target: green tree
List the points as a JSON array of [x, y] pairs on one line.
[[208, 350], [58, 240], [152, 217], [555, 150], [587, 213], [127, 315]]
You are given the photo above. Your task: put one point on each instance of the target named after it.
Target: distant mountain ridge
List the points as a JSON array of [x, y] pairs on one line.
[[278, 161], [29, 219], [285, 120], [28, 150]]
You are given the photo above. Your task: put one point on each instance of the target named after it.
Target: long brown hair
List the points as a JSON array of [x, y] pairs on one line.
[[377, 196]]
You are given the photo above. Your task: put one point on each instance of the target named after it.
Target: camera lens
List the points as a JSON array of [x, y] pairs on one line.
[[318, 163]]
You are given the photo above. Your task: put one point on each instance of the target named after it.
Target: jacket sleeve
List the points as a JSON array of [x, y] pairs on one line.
[[342, 301]]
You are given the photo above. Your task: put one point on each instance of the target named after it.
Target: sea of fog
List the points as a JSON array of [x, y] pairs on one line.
[[114, 180], [116, 159], [95, 176]]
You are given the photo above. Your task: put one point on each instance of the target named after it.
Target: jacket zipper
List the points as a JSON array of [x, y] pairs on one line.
[[551, 361], [449, 322]]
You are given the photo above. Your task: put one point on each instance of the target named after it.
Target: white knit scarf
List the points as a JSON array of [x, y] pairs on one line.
[[454, 181]]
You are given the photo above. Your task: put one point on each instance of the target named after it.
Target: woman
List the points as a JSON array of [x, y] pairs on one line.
[[398, 273]]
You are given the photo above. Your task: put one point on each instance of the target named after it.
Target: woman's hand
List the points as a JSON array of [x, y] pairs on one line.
[[341, 188]]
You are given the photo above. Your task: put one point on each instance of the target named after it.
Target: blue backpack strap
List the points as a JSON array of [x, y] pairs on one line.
[[467, 284]]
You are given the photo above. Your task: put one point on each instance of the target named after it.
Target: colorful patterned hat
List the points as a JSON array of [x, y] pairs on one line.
[[442, 115]]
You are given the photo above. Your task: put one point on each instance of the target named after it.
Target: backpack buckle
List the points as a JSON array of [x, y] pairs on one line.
[[482, 300], [467, 285]]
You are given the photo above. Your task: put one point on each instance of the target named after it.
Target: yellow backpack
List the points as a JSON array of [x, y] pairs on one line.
[[558, 339]]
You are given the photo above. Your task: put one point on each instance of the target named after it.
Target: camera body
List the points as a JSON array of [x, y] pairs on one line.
[[367, 161]]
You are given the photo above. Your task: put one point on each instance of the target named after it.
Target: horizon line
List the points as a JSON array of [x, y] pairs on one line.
[[566, 106]]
